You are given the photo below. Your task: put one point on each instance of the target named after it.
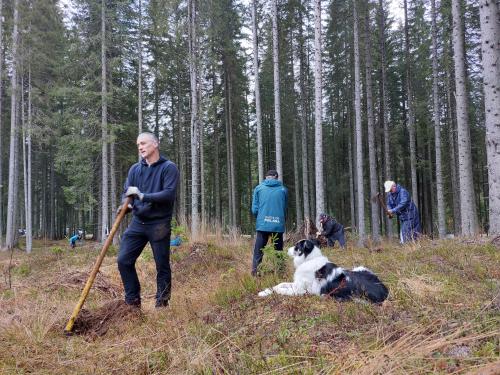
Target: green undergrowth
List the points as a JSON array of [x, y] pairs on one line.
[[442, 315]]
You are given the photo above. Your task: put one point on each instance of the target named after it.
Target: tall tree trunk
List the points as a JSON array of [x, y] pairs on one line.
[[467, 204], [318, 97], [359, 132], [455, 182], [1, 123], [489, 14], [303, 119], [193, 72], [113, 186], [12, 193], [437, 127], [411, 115], [258, 110], [385, 107], [139, 83], [277, 107], [27, 171], [104, 129], [371, 129]]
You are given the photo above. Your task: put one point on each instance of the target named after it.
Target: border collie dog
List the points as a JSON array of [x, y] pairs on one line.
[[314, 274]]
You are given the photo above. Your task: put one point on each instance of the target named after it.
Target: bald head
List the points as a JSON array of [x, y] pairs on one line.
[[148, 146]]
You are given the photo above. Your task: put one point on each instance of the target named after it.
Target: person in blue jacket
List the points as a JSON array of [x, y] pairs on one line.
[[73, 239], [399, 203], [269, 205], [152, 183]]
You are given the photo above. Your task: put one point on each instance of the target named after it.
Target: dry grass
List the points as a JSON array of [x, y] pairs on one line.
[[443, 314]]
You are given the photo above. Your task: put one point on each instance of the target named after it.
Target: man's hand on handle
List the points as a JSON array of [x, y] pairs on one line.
[[134, 191]]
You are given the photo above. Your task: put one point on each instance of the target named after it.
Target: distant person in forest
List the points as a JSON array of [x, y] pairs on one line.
[[73, 239], [152, 183], [399, 203], [269, 205], [332, 230]]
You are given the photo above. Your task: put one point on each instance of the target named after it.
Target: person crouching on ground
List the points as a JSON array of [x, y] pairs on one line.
[[152, 183], [332, 230], [399, 202], [269, 203]]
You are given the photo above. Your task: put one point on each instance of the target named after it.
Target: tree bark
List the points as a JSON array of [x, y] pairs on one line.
[[359, 132], [437, 128], [489, 14], [139, 83], [372, 156], [318, 97], [12, 193], [1, 123], [303, 120], [467, 203], [277, 107], [410, 113], [385, 107], [193, 72], [258, 110], [104, 129]]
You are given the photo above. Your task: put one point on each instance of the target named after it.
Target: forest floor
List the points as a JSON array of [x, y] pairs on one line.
[[442, 315]]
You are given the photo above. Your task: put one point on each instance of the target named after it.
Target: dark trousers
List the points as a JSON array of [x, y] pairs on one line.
[[337, 236], [133, 242], [260, 242]]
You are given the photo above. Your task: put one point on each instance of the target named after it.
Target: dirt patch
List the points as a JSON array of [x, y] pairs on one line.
[[78, 279], [93, 324]]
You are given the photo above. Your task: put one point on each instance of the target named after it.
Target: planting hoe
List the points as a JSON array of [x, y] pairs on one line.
[[97, 265], [380, 199]]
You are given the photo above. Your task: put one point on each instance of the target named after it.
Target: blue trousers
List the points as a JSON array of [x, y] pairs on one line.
[[133, 242], [260, 242], [410, 230]]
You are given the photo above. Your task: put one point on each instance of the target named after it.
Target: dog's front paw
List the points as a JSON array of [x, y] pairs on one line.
[[266, 292]]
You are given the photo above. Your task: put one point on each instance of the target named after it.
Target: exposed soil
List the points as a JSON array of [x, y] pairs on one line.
[[93, 324]]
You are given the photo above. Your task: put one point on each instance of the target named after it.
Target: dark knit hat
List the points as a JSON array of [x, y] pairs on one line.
[[272, 173]]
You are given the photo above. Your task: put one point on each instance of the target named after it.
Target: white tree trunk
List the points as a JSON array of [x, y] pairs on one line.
[[12, 193], [113, 185], [258, 110], [467, 203], [104, 129], [303, 120], [437, 127], [385, 107], [318, 109], [139, 83], [1, 122], [359, 132], [375, 210], [193, 72], [27, 172], [489, 14], [411, 115], [277, 107]]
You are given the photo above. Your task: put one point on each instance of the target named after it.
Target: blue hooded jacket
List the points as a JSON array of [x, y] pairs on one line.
[[158, 183], [401, 204], [269, 203]]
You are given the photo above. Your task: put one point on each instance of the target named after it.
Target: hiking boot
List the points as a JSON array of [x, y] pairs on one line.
[[135, 302], [161, 303]]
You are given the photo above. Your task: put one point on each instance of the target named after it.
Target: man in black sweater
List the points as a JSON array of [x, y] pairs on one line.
[[332, 230], [153, 184]]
